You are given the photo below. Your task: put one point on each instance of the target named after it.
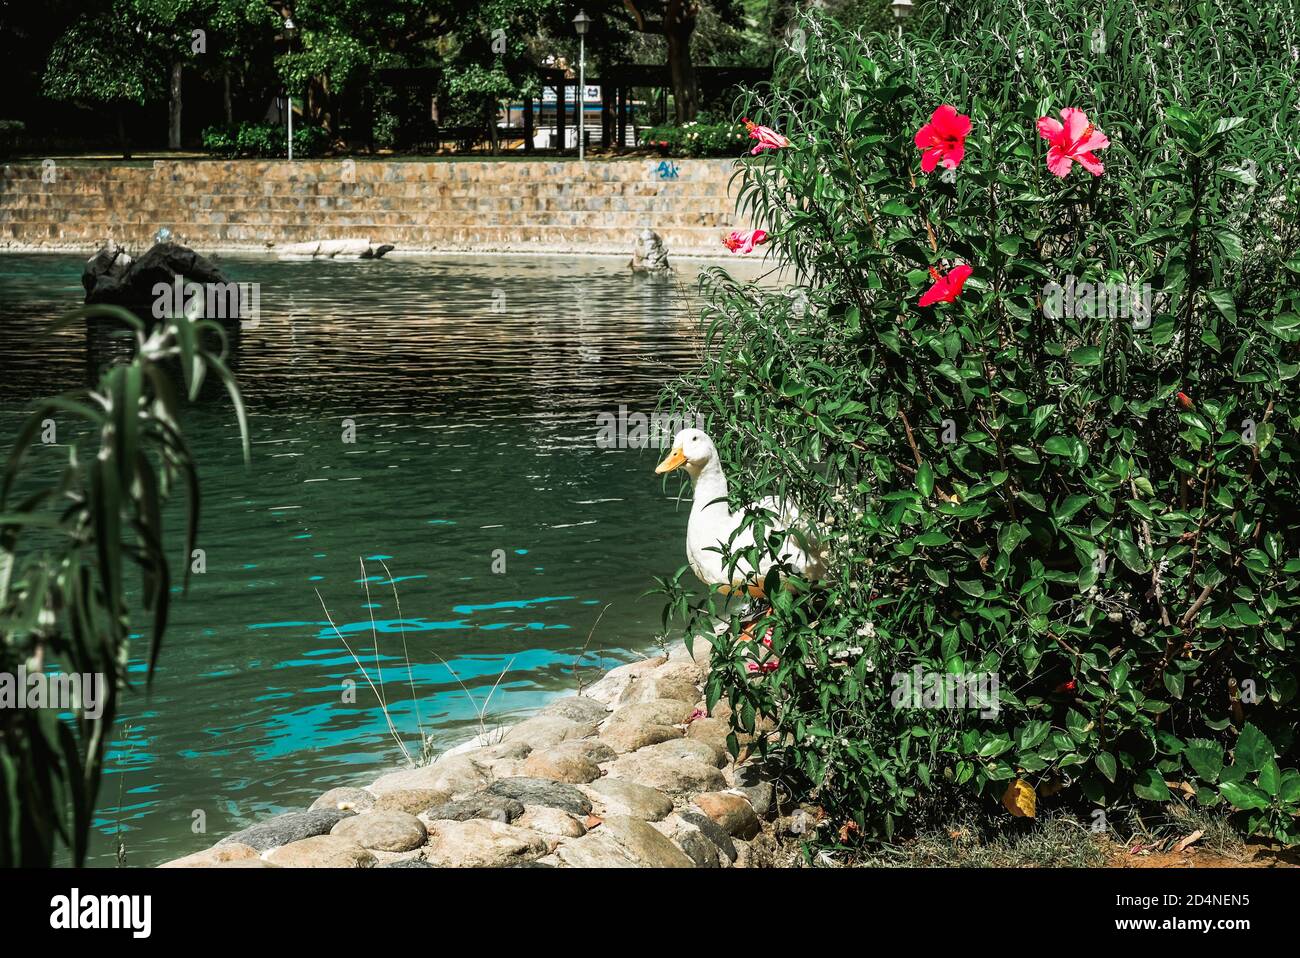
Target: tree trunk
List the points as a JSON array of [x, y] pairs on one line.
[[174, 108], [225, 97], [679, 24], [122, 143], [493, 133]]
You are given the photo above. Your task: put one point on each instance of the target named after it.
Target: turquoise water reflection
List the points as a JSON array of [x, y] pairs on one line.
[[474, 445]]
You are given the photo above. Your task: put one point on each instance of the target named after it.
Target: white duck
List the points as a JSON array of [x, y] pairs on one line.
[[712, 523]]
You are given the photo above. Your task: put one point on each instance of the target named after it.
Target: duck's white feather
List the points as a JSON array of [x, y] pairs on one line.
[[712, 526]]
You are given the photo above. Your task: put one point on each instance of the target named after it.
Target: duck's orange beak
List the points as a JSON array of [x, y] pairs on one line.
[[675, 459]]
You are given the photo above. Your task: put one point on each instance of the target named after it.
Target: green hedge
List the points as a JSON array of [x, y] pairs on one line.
[[1100, 508], [264, 140]]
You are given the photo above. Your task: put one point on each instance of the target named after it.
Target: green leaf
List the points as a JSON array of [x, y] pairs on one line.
[[1086, 356], [1253, 749], [1205, 758], [1150, 785], [925, 479], [1243, 795], [1106, 764]]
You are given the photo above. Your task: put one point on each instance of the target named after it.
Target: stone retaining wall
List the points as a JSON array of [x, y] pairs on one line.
[[633, 772], [503, 205]]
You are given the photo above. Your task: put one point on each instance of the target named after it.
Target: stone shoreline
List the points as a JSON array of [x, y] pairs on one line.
[[631, 772]]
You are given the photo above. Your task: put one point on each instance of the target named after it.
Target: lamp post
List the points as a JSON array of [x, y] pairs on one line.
[[902, 9], [582, 23], [288, 97]]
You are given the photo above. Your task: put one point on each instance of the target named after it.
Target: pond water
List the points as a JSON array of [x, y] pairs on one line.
[[473, 385]]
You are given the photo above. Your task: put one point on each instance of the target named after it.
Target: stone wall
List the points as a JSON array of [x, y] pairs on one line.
[[503, 205]]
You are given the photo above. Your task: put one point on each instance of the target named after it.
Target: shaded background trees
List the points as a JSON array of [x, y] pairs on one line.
[[93, 74]]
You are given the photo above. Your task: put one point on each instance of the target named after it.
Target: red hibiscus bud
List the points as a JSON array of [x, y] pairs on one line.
[[1185, 401]]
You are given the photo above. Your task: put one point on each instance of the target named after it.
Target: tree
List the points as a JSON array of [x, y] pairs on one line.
[[102, 60], [676, 22]]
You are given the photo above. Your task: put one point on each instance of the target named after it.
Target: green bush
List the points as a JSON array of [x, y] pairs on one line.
[[697, 139], [264, 140], [1099, 508]]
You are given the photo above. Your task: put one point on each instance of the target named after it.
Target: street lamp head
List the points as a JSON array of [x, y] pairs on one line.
[[902, 9], [582, 23], [289, 25]]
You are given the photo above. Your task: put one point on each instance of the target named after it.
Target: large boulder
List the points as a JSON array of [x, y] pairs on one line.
[[108, 265], [288, 828], [136, 287], [358, 248]]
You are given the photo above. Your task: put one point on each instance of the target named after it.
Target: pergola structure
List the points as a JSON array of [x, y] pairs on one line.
[[616, 85]]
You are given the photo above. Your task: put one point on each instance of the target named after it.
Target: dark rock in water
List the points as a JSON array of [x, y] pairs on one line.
[[543, 791], [479, 805], [286, 828], [136, 287], [110, 263], [377, 252], [408, 863]]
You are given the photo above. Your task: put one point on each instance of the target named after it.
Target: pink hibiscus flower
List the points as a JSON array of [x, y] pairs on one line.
[[943, 139], [946, 288], [768, 138], [744, 241], [1073, 139]]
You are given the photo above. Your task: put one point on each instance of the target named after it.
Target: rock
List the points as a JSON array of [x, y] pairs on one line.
[[653, 712], [577, 708], [502, 751], [163, 264], [732, 812], [410, 800], [287, 828], [550, 821], [573, 761], [618, 797], [479, 843], [700, 653], [345, 800], [408, 863], [560, 767], [360, 248], [623, 842], [674, 680], [322, 851], [216, 855], [387, 831], [457, 775], [246, 863], [616, 680], [759, 796], [681, 749], [675, 776], [109, 264], [693, 842], [625, 737], [711, 731], [711, 830], [498, 808], [649, 256], [543, 731], [540, 791]]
